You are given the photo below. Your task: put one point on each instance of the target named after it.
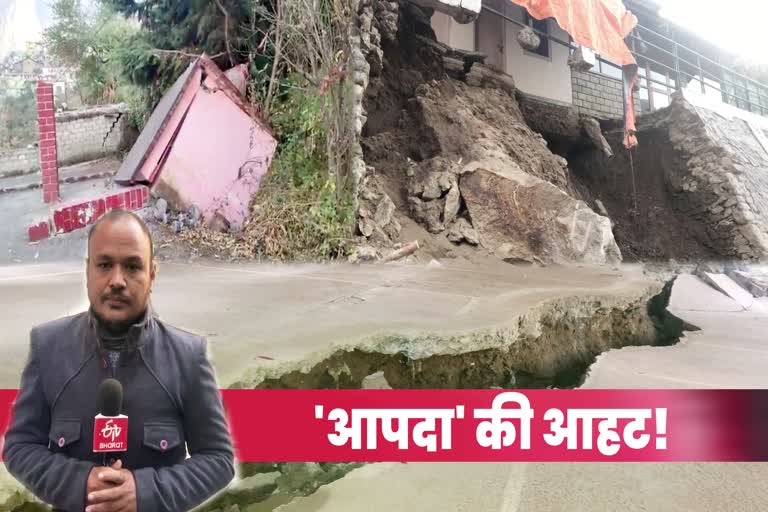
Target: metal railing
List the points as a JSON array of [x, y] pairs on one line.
[[702, 70], [680, 66]]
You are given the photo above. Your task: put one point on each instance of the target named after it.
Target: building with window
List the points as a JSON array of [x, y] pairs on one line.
[[668, 56]]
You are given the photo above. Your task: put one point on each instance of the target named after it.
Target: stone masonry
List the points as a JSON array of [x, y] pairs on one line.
[[725, 183], [598, 96], [18, 161], [81, 135], [84, 135]]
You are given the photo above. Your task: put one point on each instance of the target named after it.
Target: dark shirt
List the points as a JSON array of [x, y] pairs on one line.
[[170, 396]]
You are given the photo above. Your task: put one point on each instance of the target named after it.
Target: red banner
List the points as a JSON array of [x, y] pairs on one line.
[[492, 425]]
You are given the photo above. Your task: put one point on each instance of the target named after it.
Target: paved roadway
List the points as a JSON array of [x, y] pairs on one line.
[[286, 312], [731, 351]]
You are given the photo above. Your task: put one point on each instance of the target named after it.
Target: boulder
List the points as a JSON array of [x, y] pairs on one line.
[[452, 204], [462, 231], [376, 213], [523, 218], [592, 129], [428, 213]]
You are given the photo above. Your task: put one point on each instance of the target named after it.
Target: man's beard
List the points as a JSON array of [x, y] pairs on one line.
[[116, 328]]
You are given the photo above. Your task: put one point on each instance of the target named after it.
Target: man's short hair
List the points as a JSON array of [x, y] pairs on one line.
[[119, 214]]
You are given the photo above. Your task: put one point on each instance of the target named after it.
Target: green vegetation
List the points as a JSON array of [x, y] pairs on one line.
[[18, 114], [299, 214], [133, 51], [94, 43], [173, 33]]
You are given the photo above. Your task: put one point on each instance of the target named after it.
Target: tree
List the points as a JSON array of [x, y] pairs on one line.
[[173, 31], [94, 42], [18, 115]]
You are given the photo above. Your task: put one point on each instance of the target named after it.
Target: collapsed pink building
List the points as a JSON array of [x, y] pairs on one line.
[[203, 147]]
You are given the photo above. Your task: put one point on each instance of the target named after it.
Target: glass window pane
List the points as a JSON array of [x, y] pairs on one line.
[[611, 70]]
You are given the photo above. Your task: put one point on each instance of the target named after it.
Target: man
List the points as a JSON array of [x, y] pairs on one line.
[[170, 394]]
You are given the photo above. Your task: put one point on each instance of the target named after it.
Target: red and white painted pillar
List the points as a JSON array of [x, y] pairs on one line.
[[46, 123]]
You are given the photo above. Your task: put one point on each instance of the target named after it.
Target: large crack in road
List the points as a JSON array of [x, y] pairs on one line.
[[551, 346]]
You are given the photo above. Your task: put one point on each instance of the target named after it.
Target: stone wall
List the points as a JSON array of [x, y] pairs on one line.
[[84, 135], [18, 161], [725, 186], [81, 135], [598, 96]]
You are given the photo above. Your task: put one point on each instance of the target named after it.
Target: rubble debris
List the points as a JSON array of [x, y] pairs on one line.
[[452, 204], [757, 285], [161, 210], [560, 125], [364, 254], [454, 67], [462, 231], [376, 213], [428, 213], [592, 129], [425, 129]]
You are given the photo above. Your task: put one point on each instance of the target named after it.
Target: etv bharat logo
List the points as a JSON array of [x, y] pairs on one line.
[[111, 430], [112, 436]]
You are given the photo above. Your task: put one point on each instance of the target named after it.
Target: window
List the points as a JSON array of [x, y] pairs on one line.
[[543, 27], [604, 68]]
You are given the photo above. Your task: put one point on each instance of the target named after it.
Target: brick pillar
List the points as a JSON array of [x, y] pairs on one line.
[[46, 124]]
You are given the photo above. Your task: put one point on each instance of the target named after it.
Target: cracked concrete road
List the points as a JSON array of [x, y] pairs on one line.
[[729, 352], [284, 312]]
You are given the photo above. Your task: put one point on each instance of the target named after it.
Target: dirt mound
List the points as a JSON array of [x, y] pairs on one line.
[[636, 190], [429, 116], [414, 115]]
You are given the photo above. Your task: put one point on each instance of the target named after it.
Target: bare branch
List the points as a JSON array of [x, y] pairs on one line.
[[185, 54], [226, 31], [278, 54]]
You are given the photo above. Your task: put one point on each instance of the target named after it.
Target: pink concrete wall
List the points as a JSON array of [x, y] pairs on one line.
[[155, 157], [217, 160]]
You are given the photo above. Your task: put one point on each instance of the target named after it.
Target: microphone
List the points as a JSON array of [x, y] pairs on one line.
[[110, 428]]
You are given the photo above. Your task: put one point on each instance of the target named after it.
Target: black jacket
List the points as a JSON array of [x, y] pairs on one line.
[[170, 396]]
